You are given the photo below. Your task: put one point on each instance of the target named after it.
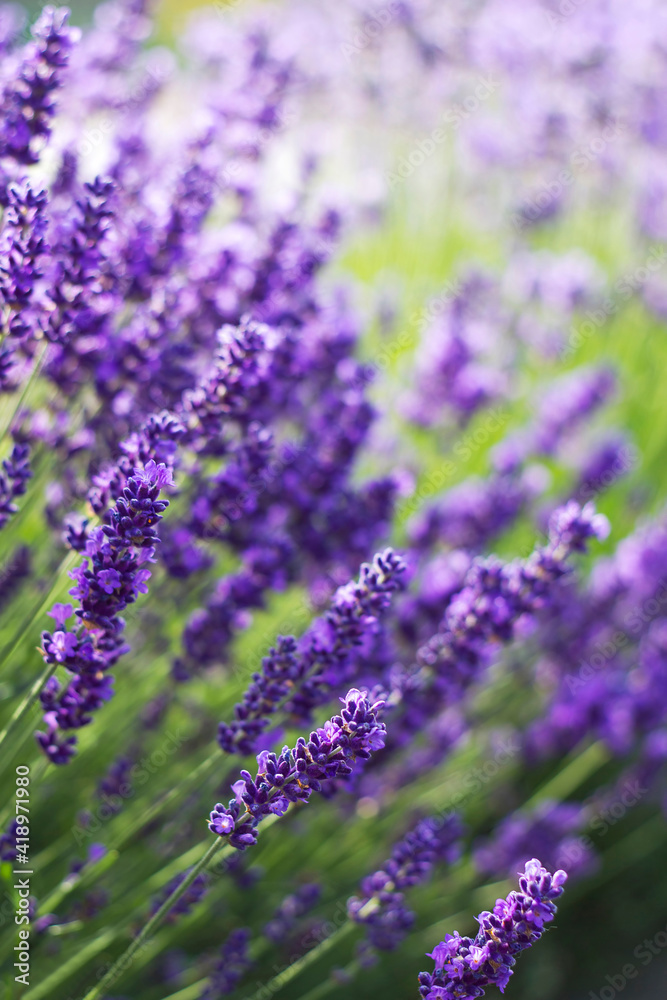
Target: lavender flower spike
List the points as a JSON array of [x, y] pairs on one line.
[[306, 670], [381, 908], [111, 576], [464, 966], [28, 102], [13, 478], [293, 776]]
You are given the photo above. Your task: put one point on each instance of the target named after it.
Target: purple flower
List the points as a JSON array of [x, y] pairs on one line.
[[108, 579], [82, 275], [192, 895], [551, 831], [298, 676], [28, 103], [327, 756], [381, 908], [13, 573], [232, 965], [293, 907], [465, 967], [13, 479]]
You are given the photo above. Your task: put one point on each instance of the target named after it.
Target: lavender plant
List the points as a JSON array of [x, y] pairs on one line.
[[331, 441]]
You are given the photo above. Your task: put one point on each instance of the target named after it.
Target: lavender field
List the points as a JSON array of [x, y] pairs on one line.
[[333, 526]]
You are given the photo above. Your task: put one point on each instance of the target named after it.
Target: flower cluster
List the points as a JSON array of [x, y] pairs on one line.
[[112, 574], [382, 908], [298, 676], [233, 963], [328, 755], [23, 247], [294, 906], [465, 967], [192, 313], [192, 895]]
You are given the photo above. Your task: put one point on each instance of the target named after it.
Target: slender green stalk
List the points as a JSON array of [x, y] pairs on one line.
[[576, 771], [36, 368], [23, 708], [193, 779], [285, 977], [80, 957], [192, 992], [322, 989], [125, 960], [60, 580]]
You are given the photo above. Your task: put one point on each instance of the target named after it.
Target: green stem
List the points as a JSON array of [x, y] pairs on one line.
[[24, 707], [192, 992], [283, 978], [326, 986], [148, 815], [80, 957], [24, 392], [125, 960]]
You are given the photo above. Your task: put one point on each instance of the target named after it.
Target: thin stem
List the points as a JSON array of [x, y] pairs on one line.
[[125, 960], [65, 565], [192, 992], [24, 392], [25, 706], [283, 978], [580, 767], [327, 985]]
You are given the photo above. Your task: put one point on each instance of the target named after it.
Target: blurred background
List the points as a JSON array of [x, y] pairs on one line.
[[508, 191]]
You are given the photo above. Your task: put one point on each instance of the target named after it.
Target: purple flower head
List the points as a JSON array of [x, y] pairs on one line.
[[293, 907], [571, 526], [553, 831], [28, 103], [13, 479], [465, 967], [192, 895], [294, 775], [110, 576], [60, 614]]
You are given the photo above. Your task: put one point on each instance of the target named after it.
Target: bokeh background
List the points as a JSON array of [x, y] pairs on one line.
[[417, 234]]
